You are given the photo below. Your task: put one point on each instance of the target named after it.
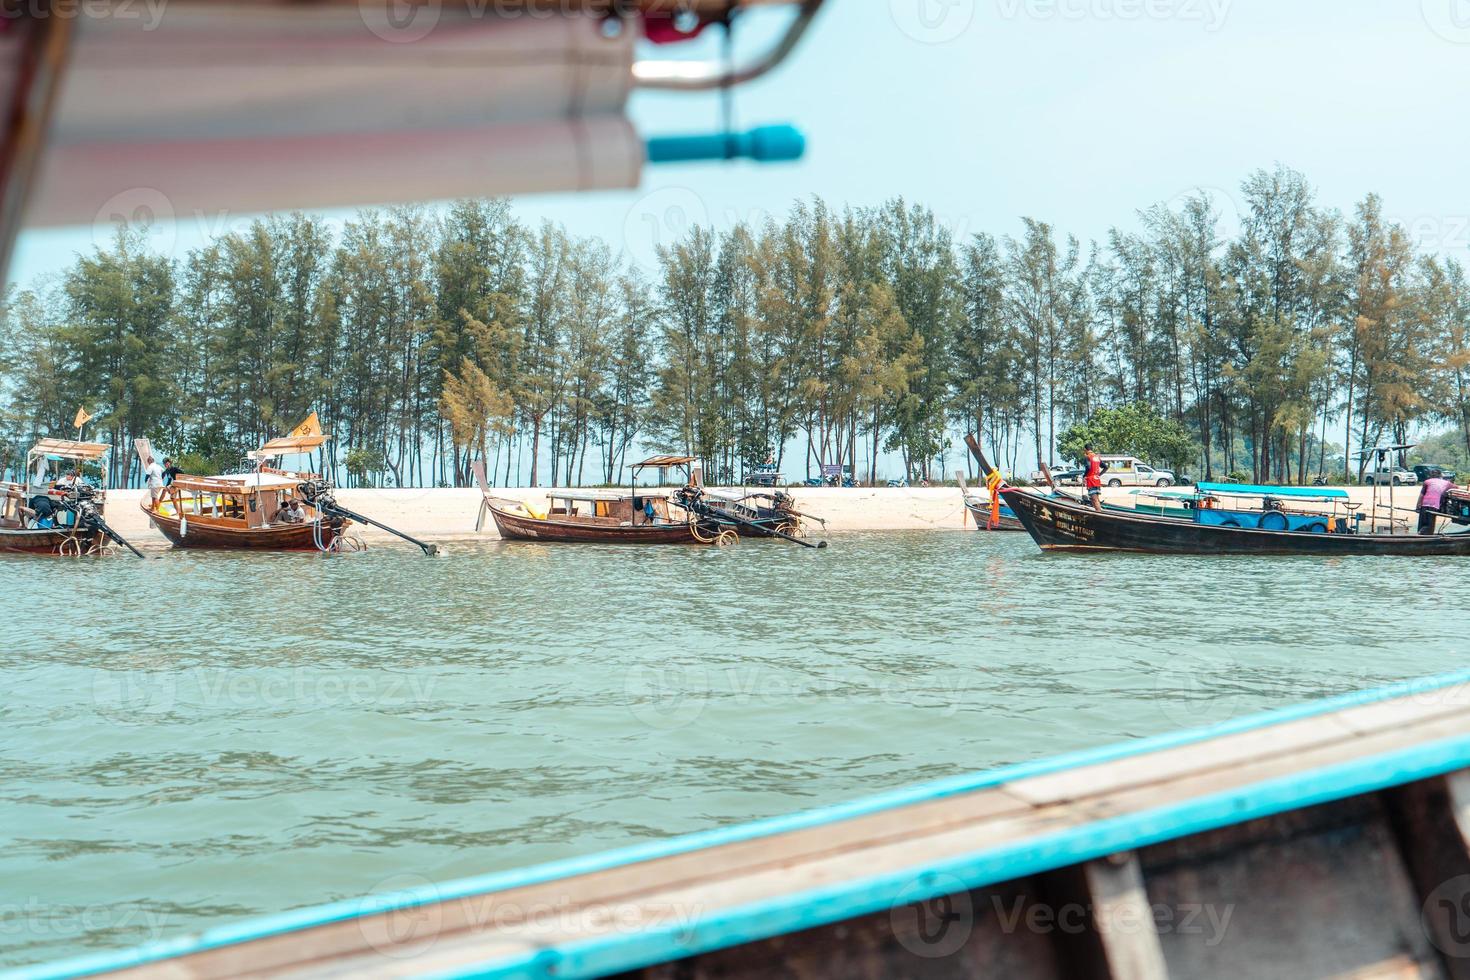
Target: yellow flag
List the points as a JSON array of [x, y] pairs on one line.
[[82, 418], [311, 427]]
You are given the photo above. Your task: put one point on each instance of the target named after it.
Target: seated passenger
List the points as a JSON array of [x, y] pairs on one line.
[[291, 512], [43, 511]]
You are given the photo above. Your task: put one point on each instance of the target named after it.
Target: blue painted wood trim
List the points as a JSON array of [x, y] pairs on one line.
[[261, 927], [805, 910]]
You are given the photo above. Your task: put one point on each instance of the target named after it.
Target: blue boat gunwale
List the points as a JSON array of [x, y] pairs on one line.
[[1254, 490], [848, 899]]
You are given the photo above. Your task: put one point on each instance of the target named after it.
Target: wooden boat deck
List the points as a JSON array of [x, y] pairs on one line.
[[1327, 840]]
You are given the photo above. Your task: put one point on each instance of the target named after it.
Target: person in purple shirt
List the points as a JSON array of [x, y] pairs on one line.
[[1431, 499]]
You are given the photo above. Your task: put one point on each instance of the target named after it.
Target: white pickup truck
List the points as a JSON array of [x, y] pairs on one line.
[[1122, 471]]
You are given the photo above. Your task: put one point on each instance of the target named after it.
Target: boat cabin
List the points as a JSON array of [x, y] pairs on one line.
[[252, 500], [610, 509]]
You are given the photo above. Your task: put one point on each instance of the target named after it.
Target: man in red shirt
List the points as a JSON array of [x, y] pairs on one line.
[[1093, 478]]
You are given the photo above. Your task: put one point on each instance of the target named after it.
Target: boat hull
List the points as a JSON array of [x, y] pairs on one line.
[[47, 541], [981, 513], [519, 527], [204, 532], [1057, 524]]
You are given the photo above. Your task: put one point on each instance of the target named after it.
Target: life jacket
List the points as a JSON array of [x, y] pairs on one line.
[[1094, 470]]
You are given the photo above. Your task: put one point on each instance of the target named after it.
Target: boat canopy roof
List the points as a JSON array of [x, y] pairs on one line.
[[237, 481], [291, 444], [662, 461], [1253, 490], [586, 495], [70, 449]]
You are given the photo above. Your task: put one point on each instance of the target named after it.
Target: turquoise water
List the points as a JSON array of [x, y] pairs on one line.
[[205, 737]]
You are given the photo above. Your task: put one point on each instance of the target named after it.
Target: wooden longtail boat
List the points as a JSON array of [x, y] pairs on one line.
[[588, 517], [1331, 839], [592, 516], [1060, 522], [1063, 523], [74, 524], [688, 515], [243, 510], [980, 508], [265, 509]]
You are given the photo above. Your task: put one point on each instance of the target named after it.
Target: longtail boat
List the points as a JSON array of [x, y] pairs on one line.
[[266, 509], [990, 512], [1328, 839], [634, 516], [637, 515], [58, 513], [1059, 522], [245, 510]]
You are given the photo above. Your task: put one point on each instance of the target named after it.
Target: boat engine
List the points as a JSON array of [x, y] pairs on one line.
[[318, 493], [1456, 506]]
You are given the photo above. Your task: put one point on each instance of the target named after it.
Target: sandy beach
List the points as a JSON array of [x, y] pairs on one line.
[[448, 514]]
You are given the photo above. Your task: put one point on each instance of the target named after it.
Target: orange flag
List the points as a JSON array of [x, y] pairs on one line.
[[311, 427], [82, 418]]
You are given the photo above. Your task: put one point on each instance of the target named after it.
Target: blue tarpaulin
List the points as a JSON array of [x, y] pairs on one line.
[[1300, 493]]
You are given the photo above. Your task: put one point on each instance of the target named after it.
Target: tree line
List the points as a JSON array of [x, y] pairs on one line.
[[431, 340]]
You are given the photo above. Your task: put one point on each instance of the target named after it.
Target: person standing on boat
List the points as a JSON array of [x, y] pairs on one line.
[[1092, 479], [1431, 500], [153, 476]]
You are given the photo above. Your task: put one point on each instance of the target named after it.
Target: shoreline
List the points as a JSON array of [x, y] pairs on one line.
[[448, 514]]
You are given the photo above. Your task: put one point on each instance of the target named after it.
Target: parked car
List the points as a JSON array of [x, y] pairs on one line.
[[1130, 471], [1122, 471], [1421, 472], [1060, 472], [1396, 475]]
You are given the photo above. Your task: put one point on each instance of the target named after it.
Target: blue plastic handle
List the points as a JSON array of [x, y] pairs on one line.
[[763, 144]]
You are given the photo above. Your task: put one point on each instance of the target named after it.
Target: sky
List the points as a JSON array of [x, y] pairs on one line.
[[1079, 112]]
